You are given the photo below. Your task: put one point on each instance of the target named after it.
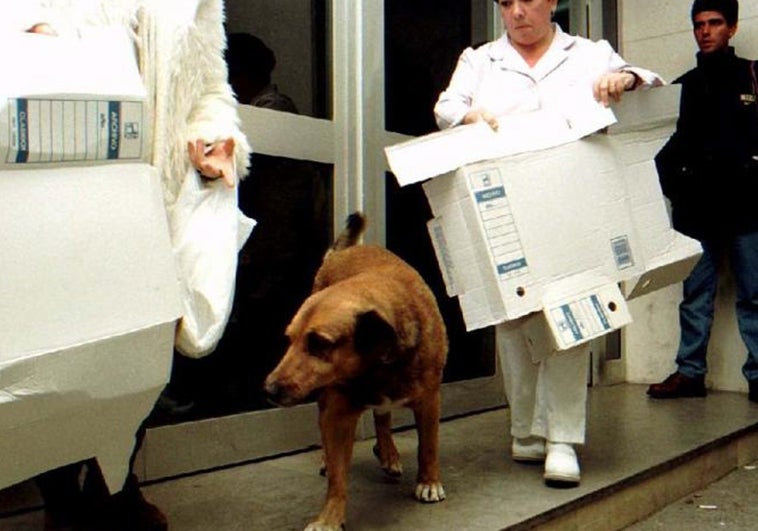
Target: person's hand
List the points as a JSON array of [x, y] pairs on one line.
[[43, 28], [214, 161], [481, 115], [611, 86]]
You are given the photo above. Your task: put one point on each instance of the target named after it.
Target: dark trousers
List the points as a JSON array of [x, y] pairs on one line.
[[64, 494], [697, 307]]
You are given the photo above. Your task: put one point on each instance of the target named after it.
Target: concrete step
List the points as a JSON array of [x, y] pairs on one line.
[[641, 455]]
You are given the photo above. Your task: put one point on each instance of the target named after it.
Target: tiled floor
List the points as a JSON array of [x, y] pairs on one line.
[[641, 454]]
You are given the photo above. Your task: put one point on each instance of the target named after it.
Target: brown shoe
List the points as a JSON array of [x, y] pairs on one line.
[[678, 386]]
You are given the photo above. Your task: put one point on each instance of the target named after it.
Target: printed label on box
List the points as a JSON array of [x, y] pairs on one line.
[[622, 252], [593, 314], [580, 319], [441, 249], [497, 220], [44, 130]]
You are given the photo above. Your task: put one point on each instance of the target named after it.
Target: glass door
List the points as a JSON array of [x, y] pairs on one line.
[[324, 87], [213, 413], [422, 42]]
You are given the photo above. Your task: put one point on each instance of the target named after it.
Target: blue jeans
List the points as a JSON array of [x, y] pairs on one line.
[[696, 308]]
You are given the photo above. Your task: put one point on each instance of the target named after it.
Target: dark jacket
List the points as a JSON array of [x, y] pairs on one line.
[[709, 167]]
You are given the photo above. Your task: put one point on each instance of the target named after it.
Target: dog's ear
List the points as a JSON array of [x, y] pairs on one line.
[[375, 337]]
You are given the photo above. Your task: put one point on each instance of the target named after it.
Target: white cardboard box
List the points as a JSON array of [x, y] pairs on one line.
[[90, 298], [556, 227], [74, 100], [88, 283]]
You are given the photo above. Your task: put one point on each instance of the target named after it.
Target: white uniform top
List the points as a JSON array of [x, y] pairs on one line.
[[495, 77]]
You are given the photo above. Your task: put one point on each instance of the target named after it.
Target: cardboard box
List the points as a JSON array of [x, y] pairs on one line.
[[557, 228], [90, 300], [70, 103]]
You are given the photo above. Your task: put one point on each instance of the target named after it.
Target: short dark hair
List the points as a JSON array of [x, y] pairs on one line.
[[729, 8], [247, 55]]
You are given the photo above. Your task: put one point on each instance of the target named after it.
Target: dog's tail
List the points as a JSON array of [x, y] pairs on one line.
[[351, 234]]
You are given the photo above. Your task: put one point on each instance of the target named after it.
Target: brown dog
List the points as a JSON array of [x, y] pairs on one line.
[[369, 336]]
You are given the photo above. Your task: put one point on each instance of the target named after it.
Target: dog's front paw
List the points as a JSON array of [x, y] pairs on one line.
[[430, 492], [323, 526]]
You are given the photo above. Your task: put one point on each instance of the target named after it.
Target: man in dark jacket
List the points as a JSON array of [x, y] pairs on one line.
[[709, 171]]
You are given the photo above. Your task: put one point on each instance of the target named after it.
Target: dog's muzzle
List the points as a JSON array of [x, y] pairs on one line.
[[277, 395], [285, 396]]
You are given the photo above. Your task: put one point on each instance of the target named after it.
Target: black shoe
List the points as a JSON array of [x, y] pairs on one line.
[[752, 394], [679, 386], [129, 513], [174, 406], [64, 501], [64, 520], [127, 510]]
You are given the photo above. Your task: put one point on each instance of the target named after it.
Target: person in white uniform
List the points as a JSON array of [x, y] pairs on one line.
[[536, 66]]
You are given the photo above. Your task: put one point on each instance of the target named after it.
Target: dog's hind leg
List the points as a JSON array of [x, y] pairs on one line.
[[337, 420], [385, 449], [427, 414]]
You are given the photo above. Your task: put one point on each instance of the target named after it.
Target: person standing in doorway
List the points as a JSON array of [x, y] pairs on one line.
[[531, 67], [709, 171]]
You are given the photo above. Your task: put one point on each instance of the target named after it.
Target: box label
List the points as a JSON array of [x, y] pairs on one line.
[[622, 252], [500, 230], [441, 249], [580, 320], [45, 130]]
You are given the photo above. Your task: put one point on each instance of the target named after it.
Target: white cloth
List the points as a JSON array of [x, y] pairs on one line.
[[547, 397], [181, 51], [210, 231], [547, 391]]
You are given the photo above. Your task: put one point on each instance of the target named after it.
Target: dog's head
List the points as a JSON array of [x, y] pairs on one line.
[[334, 338]]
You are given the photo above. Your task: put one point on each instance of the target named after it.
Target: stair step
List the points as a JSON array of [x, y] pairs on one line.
[[641, 455]]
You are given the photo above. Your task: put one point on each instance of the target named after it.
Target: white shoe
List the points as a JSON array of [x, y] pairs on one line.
[[561, 465], [528, 449]]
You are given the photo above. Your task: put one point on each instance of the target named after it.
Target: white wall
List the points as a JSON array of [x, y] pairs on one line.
[[658, 35]]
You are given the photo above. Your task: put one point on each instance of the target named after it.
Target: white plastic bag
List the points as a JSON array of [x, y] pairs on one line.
[[208, 231]]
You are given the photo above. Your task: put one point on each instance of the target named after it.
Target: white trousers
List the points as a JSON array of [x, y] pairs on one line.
[[546, 389]]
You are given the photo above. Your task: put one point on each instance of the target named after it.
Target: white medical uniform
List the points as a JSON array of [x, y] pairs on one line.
[[546, 390]]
